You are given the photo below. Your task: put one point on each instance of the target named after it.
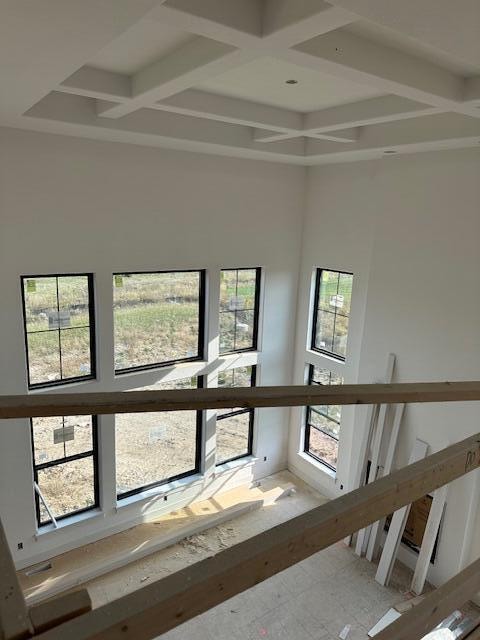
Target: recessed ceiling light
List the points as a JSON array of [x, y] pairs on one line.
[[292, 81]]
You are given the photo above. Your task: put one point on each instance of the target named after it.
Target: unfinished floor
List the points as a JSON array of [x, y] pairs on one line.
[[313, 600]]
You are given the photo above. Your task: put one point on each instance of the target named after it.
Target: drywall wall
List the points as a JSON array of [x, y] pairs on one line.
[[408, 227], [70, 205]]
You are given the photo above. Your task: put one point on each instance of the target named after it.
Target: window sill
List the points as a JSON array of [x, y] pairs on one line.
[[159, 492], [318, 465], [67, 523], [313, 353], [236, 464]]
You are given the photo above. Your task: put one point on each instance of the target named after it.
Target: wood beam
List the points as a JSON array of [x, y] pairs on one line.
[[51, 613], [436, 606], [14, 621], [161, 606], [64, 404]]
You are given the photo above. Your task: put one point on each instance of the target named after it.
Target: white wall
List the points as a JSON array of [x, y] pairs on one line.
[[409, 229], [70, 205]]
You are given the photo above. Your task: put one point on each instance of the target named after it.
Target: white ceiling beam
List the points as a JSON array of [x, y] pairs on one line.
[[225, 109], [97, 83], [445, 130], [389, 70], [342, 136], [364, 112], [288, 22], [42, 43], [472, 90], [160, 128], [206, 24], [244, 16], [196, 61]]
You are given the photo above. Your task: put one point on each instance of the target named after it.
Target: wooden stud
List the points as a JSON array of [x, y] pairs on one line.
[[53, 612], [161, 606], [65, 404], [14, 620], [435, 607]]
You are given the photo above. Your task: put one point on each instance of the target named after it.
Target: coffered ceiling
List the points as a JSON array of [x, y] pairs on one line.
[[298, 81]]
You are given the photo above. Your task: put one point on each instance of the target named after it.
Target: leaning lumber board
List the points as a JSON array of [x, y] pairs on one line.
[[429, 539], [397, 526], [68, 404], [435, 607], [363, 536], [117, 560], [377, 527], [167, 603], [14, 621], [53, 612]]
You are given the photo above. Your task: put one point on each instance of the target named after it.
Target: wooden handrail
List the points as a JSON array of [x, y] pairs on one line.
[[64, 404], [163, 605]]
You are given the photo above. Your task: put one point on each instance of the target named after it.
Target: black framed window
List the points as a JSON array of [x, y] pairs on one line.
[[322, 429], [158, 318], [65, 465], [159, 447], [239, 304], [333, 296], [235, 426], [59, 322]]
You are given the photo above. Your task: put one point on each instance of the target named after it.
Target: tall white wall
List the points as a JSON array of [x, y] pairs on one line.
[[409, 229], [70, 205]]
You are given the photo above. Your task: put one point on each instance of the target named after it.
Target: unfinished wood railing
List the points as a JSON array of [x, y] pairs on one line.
[[163, 605]]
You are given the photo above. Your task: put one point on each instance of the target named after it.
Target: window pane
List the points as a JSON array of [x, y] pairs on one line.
[[40, 296], [244, 329], [43, 357], [323, 447], [47, 447], [325, 330], [341, 334], [53, 307], [67, 487], [82, 430], [152, 448], [57, 438], [73, 299], [233, 437], [228, 289], [156, 318], [238, 377], [324, 422], [328, 290], [246, 288], [75, 344], [333, 304], [238, 309], [345, 290], [227, 332]]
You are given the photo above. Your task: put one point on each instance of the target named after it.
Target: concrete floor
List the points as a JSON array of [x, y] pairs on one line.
[[313, 600]]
